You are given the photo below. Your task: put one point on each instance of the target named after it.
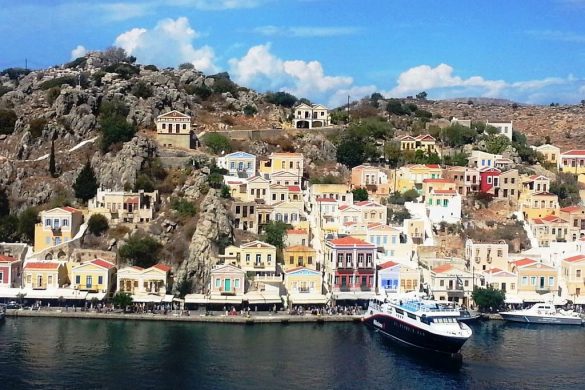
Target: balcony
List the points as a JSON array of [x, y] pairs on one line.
[[542, 289], [259, 266], [304, 290], [365, 287], [344, 288], [56, 231]]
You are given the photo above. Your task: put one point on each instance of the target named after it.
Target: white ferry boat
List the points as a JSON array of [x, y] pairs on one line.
[[543, 313], [418, 323]]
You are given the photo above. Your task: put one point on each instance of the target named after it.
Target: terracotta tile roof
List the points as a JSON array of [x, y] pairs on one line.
[[7, 259], [103, 263], [433, 166], [572, 209], [162, 267], [40, 265], [388, 264], [575, 259], [294, 188], [438, 181], [71, 209], [425, 137], [445, 192], [493, 271], [523, 262], [443, 268], [296, 231], [350, 241], [574, 152], [326, 200]]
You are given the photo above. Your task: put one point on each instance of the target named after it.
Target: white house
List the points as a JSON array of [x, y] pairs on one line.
[[239, 164], [505, 128], [444, 205], [310, 116]]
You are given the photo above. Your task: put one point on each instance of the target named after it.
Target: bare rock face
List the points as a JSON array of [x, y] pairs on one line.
[[316, 147], [115, 170], [194, 186], [214, 224]]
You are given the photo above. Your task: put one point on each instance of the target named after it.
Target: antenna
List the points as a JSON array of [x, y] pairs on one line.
[[25, 63]]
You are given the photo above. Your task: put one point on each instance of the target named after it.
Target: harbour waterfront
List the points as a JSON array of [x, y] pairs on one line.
[[74, 353]]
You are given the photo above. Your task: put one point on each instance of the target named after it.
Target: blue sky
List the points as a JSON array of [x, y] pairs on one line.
[[530, 51]]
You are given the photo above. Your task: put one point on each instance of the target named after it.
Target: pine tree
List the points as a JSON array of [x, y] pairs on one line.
[[86, 184], [52, 167]]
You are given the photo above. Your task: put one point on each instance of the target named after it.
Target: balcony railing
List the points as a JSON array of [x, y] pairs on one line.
[[304, 290], [542, 289], [56, 231], [344, 288], [365, 287], [259, 266]]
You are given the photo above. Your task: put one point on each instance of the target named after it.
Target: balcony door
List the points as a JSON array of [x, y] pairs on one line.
[[541, 284], [227, 285]]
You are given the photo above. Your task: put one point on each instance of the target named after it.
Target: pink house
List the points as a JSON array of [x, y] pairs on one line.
[[10, 271]]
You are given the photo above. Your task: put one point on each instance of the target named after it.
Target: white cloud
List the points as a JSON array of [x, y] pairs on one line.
[[305, 31], [261, 69], [169, 43], [79, 51]]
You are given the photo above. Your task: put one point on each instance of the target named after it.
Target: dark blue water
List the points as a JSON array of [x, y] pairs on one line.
[[87, 354]]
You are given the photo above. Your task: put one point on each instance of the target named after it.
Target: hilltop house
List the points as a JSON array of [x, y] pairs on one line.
[[121, 206], [551, 154], [425, 143], [174, 129], [310, 116], [504, 128], [573, 161], [240, 164]]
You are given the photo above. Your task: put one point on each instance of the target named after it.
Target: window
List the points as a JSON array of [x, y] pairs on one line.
[[310, 260], [100, 280], [88, 281], [56, 223], [441, 283], [500, 253], [524, 280], [258, 258], [467, 283], [164, 125], [291, 260], [50, 282], [489, 180], [77, 279], [48, 222], [232, 165], [247, 257], [533, 280], [236, 283], [217, 282], [269, 259], [578, 273], [551, 281], [65, 222]]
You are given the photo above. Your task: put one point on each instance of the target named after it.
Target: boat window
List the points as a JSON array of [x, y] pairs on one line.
[[410, 315]]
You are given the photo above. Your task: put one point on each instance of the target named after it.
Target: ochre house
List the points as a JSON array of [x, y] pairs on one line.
[[57, 226]]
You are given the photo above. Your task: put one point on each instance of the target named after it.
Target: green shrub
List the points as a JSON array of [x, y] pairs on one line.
[[151, 67], [114, 106], [250, 110], [78, 62], [145, 183], [141, 250], [142, 90], [15, 73], [86, 184], [186, 66], [57, 82], [7, 121], [26, 224], [126, 71], [223, 85], [115, 129], [283, 99], [97, 77], [36, 126], [53, 94], [203, 91], [217, 143], [183, 207], [97, 224]]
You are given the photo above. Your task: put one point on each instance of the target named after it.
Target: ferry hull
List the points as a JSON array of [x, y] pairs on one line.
[[415, 337], [530, 319]]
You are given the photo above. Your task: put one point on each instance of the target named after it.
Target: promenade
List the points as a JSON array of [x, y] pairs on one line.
[[195, 316]]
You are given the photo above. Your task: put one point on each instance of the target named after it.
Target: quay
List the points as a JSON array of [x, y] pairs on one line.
[[194, 317]]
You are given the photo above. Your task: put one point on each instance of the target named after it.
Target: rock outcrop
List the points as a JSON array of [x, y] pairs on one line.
[[213, 225]]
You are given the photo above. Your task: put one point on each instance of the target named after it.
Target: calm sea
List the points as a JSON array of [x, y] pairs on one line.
[[88, 354]]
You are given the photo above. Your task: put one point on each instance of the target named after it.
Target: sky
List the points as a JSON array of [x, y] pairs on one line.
[[529, 51]]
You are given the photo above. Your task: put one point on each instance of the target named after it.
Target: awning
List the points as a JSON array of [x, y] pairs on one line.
[[195, 298], [259, 297], [307, 299], [168, 298], [57, 293], [534, 298], [353, 295], [147, 298], [513, 299], [7, 292], [219, 299], [98, 296], [579, 301]]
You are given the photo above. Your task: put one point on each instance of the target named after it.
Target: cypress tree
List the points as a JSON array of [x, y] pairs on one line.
[[52, 168], [86, 184]]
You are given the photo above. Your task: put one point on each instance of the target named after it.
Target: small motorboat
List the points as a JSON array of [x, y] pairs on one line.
[[468, 316], [543, 313]]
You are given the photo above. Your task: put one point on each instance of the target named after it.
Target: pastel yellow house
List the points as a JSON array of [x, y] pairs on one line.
[[95, 276], [551, 154], [535, 277], [57, 226], [139, 281], [44, 275], [573, 161], [501, 280], [173, 129], [411, 176], [573, 272], [423, 142], [300, 256], [287, 162], [341, 193], [550, 229], [540, 205], [257, 257], [304, 286]]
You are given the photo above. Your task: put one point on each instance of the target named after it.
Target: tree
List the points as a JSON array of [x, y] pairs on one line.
[[113, 107], [483, 198], [399, 216], [86, 184], [144, 182], [115, 54], [349, 153], [457, 135], [115, 129], [26, 223], [283, 99], [394, 106], [275, 233], [141, 250], [422, 95], [217, 143], [496, 144], [9, 228], [97, 224], [142, 90], [52, 167], [360, 194], [488, 299], [4, 203], [566, 188], [122, 300], [225, 192], [250, 110], [186, 66]]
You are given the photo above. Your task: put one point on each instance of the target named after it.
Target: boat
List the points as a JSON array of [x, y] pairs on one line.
[[418, 323], [468, 316], [2, 312], [543, 313]]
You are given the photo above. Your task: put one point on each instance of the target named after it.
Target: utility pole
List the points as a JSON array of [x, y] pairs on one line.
[[348, 109], [25, 63]]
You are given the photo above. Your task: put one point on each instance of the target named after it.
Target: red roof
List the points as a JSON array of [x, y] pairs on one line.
[[294, 188], [39, 265], [432, 166], [572, 209], [493, 271], [446, 192], [329, 200], [103, 263], [438, 181], [523, 262], [7, 259], [442, 268], [425, 136], [349, 241], [575, 259], [162, 267], [296, 231], [574, 152], [71, 209], [388, 264]]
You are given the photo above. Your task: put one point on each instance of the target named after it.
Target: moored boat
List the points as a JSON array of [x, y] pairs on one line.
[[543, 313], [419, 324]]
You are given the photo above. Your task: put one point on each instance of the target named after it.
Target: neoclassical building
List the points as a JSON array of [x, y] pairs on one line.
[[174, 129]]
